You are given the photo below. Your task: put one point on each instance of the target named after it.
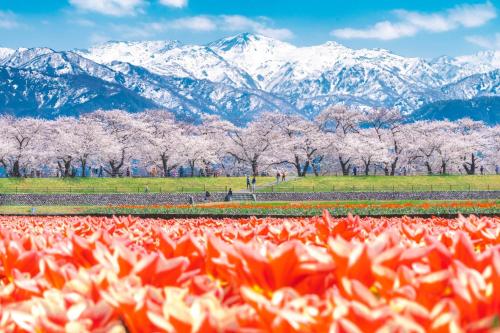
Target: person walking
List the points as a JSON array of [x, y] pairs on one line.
[[254, 182], [482, 170], [283, 176], [230, 195], [248, 182], [278, 175]]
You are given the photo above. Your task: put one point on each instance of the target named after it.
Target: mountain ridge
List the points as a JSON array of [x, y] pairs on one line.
[[240, 76]]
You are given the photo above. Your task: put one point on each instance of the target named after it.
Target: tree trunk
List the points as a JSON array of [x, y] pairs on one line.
[[192, 165], [297, 166], [16, 171], [443, 167], [429, 168], [346, 167], [116, 166], [115, 169], [164, 162], [315, 169], [394, 164], [367, 167], [67, 168], [255, 168], [470, 168], [301, 171], [84, 167], [304, 169], [315, 166], [207, 168]]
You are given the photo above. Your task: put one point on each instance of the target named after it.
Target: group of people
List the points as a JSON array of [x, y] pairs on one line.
[[280, 175], [251, 184]]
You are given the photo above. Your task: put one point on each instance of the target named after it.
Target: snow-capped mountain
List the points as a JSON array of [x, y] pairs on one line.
[[172, 59], [271, 62], [54, 63], [477, 85], [454, 69], [30, 93], [5, 52], [190, 98], [59, 83], [310, 78], [239, 77]]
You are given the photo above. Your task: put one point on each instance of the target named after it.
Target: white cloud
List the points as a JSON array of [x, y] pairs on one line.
[[382, 30], [490, 43], [196, 23], [110, 7], [174, 3], [192, 23], [8, 20], [281, 34], [430, 22], [221, 23], [243, 23], [410, 23], [131, 32], [472, 16], [83, 22], [238, 22]]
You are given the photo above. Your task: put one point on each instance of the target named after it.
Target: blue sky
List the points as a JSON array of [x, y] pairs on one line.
[[413, 28]]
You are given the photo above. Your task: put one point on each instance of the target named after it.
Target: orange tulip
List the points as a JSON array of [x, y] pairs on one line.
[[319, 274]]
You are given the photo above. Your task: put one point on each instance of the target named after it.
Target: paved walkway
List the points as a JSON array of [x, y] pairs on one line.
[[267, 185]]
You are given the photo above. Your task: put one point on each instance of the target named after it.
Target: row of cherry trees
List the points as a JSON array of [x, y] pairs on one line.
[[337, 141]]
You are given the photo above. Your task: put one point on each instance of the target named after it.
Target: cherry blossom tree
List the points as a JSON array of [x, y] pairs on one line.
[[388, 124], [341, 123], [339, 139], [472, 143], [64, 144], [257, 144], [163, 142], [492, 149], [22, 144], [368, 150], [301, 141], [216, 130], [340, 119], [90, 137], [199, 153], [122, 137]]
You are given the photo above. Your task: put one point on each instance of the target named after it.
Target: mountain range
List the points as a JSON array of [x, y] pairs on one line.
[[241, 76]]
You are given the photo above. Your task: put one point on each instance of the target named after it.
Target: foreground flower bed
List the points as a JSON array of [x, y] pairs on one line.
[[250, 275], [310, 208]]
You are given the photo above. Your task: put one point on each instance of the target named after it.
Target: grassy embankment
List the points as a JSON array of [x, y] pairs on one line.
[[384, 183], [123, 185], [222, 184]]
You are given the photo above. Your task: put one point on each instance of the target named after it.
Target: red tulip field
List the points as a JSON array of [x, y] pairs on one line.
[[321, 274]]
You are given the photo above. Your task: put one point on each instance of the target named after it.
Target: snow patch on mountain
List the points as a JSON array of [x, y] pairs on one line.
[[5, 52]]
